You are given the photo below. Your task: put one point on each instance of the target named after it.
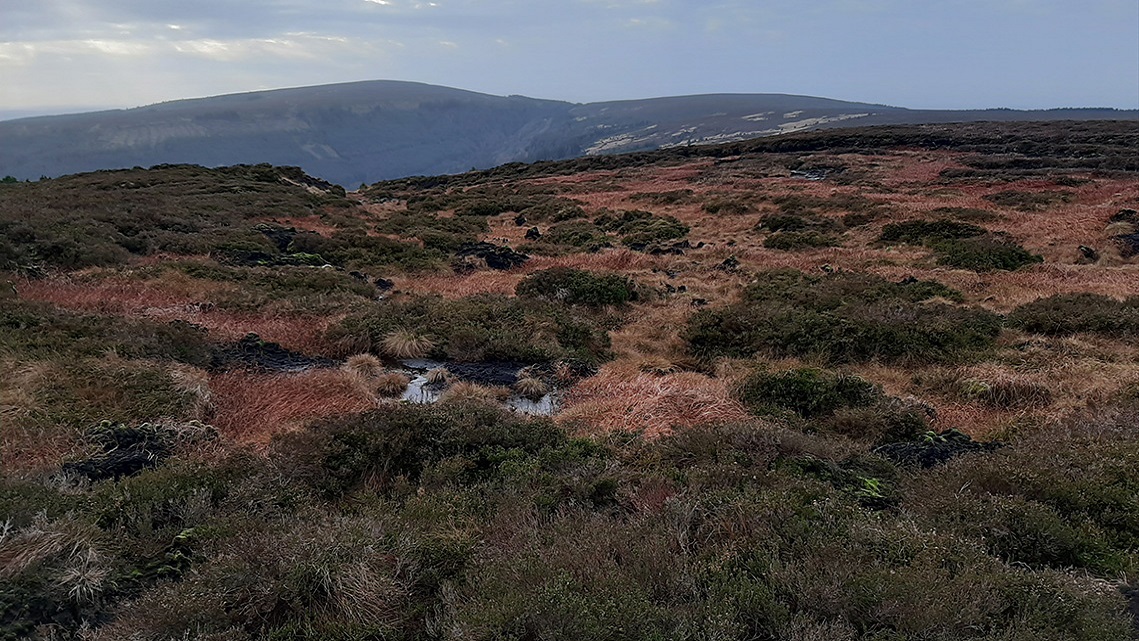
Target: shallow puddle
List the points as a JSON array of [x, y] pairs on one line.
[[420, 391]]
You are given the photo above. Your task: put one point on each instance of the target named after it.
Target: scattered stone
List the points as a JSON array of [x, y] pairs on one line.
[[495, 256], [933, 449], [252, 352], [282, 237], [1125, 216], [1128, 245], [1088, 254], [699, 302], [126, 451], [730, 264], [383, 284], [533, 234], [520, 220]]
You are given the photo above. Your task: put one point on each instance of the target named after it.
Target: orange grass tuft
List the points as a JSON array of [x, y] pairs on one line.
[[622, 398], [251, 408]]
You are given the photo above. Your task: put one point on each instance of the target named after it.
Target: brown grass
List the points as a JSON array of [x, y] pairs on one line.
[[622, 398], [464, 391], [177, 297], [364, 365], [391, 384], [405, 344], [531, 388], [251, 408]]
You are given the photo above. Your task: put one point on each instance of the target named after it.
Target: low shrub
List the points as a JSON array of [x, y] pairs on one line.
[[727, 207], [674, 197], [986, 253], [842, 317], [962, 245], [485, 327], [1029, 200], [796, 223], [966, 214], [809, 392], [918, 232], [642, 230], [1082, 312], [582, 235], [34, 330], [800, 240], [1005, 393], [577, 287]]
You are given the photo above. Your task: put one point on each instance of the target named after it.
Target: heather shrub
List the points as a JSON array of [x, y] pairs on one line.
[[377, 448], [984, 253], [642, 230], [917, 232], [842, 317], [577, 287], [808, 392], [1028, 200], [103, 218], [962, 245], [582, 235], [727, 207], [1080, 312], [796, 223], [800, 240], [478, 328], [673, 197], [966, 214], [34, 330]]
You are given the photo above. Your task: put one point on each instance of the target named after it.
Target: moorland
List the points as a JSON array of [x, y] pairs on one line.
[[860, 384]]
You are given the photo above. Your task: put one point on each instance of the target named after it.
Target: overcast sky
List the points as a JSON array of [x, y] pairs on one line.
[[58, 55]]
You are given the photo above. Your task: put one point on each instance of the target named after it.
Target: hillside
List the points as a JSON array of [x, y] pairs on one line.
[[852, 384], [361, 132]]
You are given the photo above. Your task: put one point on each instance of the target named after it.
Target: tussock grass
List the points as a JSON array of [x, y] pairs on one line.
[[402, 343], [367, 366], [391, 384]]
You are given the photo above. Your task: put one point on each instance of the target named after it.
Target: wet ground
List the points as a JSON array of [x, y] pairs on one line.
[[493, 373]]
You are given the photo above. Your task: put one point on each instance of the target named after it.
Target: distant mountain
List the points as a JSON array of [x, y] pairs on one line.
[[363, 132]]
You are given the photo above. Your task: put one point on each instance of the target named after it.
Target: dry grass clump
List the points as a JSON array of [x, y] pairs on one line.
[[402, 343], [1005, 392], [391, 384], [366, 366], [251, 408], [438, 376], [531, 388], [195, 383], [622, 398], [465, 391]]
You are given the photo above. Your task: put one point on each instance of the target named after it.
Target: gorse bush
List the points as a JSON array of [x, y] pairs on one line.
[[577, 287], [842, 317]]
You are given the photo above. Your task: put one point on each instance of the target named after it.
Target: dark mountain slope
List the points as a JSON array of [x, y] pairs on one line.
[[367, 131]]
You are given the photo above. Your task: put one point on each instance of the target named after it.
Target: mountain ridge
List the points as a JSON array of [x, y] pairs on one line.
[[365, 131]]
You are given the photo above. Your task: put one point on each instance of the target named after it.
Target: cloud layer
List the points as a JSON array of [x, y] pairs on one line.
[[952, 54]]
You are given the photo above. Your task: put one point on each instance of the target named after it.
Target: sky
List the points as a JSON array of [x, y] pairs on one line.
[[74, 55]]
